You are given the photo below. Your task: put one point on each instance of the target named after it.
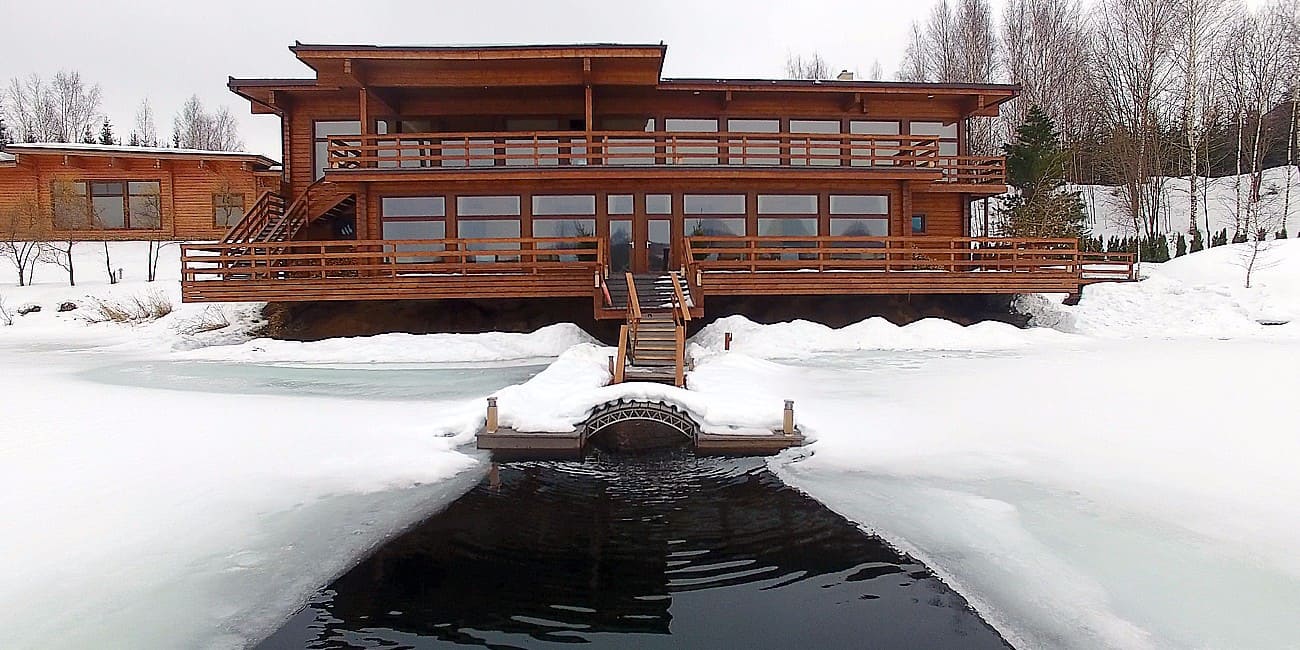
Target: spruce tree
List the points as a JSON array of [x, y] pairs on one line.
[[1039, 205], [176, 141], [135, 140], [106, 133], [1197, 244], [87, 137], [1180, 247], [4, 134]]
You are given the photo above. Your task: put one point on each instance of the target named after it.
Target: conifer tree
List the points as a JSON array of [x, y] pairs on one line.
[[1039, 205], [1180, 247], [1198, 243], [87, 137], [106, 133], [135, 140], [4, 134]]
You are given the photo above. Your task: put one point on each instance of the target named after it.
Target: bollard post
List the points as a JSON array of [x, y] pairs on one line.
[[491, 415], [611, 365], [787, 422], [726, 341]]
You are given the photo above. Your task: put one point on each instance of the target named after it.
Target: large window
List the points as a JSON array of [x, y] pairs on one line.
[[564, 216], [685, 152], [628, 149], [946, 133], [859, 215], [826, 155], [227, 209], [108, 205], [323, 132], [480, 217], [714, 204], [414, 218], [748, 146], [658, 204], [880, 152]]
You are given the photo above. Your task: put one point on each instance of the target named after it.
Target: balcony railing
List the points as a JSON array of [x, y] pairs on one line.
[[429, 151]]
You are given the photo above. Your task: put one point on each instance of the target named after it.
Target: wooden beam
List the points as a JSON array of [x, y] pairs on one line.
[[384, 102], [363, 110], [354, 70]]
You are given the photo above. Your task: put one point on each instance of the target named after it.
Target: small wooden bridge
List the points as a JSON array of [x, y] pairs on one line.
[[628, 424]]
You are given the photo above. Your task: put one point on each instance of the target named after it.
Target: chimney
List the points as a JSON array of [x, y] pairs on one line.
[[844, 75]]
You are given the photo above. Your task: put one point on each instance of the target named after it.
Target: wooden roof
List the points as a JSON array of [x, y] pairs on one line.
[[124, 151]]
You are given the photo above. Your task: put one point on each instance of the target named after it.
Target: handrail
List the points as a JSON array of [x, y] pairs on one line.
[[683, 312], [679, 355], [257, 215], [621, 363], [633, 307]]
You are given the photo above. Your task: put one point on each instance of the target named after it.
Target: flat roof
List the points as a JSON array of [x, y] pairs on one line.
[[119, 150]]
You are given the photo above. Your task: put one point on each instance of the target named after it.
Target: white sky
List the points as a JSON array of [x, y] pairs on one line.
[[167, 50]]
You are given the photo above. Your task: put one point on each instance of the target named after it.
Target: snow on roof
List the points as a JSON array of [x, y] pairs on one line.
[[129, 150], [6, 158]]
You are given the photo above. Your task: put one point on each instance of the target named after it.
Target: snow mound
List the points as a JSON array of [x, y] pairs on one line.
[[1194, 296], [801, 337], [546, 342]]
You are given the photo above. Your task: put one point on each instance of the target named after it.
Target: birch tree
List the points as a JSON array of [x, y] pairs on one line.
[[60, 109], [811, 67], [1199, 42], [197, 128], [145, 133]]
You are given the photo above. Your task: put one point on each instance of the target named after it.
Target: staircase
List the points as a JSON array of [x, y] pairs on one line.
[[652, 345], [270, 221]]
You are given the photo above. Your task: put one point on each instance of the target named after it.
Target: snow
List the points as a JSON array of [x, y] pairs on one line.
[[125, 149], [1109, 217], [1201, 295], [1121, 475]]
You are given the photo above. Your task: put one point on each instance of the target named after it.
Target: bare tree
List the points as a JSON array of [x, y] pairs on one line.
[[812, 67], [1199, 42], [1046, 50], [1133, 41], [876, 72], [197, 128], [17, 244], [145, 133], [5, 318], [58, 110], [915, 66]]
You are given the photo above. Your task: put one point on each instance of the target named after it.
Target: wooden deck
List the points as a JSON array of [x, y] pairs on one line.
[[579, 267], [380, 157]]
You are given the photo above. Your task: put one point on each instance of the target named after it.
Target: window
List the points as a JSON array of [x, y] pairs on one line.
[[947, 134], [859, 204], [692, 151], [714, 203], [754, 151], [787, 227], [227, 209], [827, 155], [489, 206], [578, 204], [918, 224], [878, 152], [715, 227], [619, 203], [109, 205], [489, 229], [658, 204], [323, 132], [787, 204], [414, 218], [854, 227], [629, 150]]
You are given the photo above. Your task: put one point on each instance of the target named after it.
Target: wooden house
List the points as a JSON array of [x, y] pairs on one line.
[[578, 171], [97, 192]]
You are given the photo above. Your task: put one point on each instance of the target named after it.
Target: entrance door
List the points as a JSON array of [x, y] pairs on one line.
[[621, 246], [658, 246]]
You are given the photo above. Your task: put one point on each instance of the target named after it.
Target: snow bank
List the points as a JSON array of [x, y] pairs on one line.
[[1074, 499], [1201, 295], [800, 337], [546, 342]]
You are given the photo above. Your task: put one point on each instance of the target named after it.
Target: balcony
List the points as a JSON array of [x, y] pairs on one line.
[[381, 157]]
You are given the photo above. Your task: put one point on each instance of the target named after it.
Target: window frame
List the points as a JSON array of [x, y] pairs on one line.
[[216, 207], [89, 198]]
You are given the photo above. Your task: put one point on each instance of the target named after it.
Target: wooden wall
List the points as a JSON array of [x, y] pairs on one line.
[[186, 186]]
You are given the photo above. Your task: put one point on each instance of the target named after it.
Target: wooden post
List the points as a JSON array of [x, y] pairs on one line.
[[787, 422], [611, 365], [491, 415], [726, 341]]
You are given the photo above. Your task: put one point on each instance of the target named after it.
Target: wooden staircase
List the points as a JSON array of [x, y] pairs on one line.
[[269, 221], [652, 345]]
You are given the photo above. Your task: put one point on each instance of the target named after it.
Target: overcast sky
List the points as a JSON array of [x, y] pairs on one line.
[[168, 50]]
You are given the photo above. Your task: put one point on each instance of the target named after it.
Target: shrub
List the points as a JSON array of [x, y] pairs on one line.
[[136, 309], [213, 318]]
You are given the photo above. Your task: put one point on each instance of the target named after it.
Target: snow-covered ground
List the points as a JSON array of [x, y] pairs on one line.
[[1121, 475]]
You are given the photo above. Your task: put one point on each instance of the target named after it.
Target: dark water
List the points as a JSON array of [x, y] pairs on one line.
[[666, 552]]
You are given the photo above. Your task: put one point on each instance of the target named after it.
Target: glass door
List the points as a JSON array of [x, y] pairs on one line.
[[620, 246], [659, 250]]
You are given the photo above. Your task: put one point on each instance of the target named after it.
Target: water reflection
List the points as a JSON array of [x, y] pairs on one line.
[[670, 551]]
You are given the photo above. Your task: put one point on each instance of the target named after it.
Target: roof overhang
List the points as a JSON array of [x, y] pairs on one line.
[[257, 162], [380, 66], [975, 99]]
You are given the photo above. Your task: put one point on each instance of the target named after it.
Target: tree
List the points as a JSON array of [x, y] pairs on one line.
[[1180, 248], [5, 139], [1039, 205], [16, 241], [1045, 48], [106, 133], [59, 110], [145, 133], [1198, 243], [1199, 42], [87, 137], [197, 128], [957, 45], [811, 67]]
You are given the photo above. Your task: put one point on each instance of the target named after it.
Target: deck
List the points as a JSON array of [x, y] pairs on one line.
[[579, 268]]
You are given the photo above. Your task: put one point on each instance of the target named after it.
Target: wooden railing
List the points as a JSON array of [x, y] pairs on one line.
[[1108, 267], [840, 253], [681, 316], [620, 364], [653, 148], [269, 205], [390, 258]]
